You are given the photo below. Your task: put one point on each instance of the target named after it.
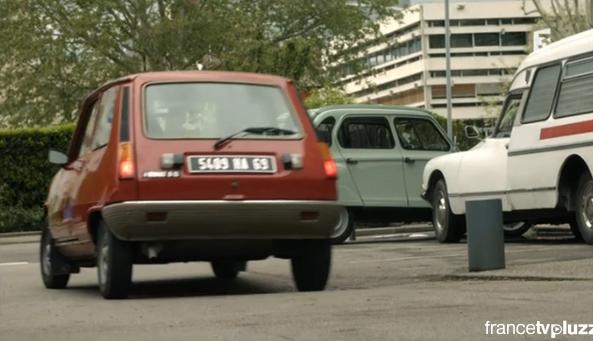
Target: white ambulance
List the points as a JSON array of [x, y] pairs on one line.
[[539, 159]]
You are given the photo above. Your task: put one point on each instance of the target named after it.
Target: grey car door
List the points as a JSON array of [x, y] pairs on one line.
[[367, 144], [420, 140]]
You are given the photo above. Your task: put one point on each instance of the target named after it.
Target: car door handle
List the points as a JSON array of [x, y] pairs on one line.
[[409, 160], [351, 161]]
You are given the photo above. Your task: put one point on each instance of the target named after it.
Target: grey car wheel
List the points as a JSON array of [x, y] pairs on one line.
[[344, 228]]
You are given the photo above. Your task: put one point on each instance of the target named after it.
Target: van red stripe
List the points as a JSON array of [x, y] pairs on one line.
[[566, 130]]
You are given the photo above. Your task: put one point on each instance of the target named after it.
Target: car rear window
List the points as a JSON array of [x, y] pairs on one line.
[[215, 110]]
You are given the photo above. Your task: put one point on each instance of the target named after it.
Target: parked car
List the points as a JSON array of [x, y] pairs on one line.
[[190, 166], [380, 152], [539, 159]]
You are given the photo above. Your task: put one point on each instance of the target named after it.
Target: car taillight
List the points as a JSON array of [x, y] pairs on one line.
[[329, 165], [127, 169]]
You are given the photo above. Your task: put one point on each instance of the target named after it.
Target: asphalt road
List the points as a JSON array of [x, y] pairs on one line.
[[403, 288]]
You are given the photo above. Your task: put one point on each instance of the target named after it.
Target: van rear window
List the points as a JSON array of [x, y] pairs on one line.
[[576, 85], [214, 110]]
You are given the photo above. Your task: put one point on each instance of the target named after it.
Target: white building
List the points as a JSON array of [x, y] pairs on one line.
[[488, 41]]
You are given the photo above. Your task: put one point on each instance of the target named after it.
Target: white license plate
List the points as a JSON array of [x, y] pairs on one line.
[[231, 164]]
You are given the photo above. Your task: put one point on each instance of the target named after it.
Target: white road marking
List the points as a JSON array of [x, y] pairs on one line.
[[14, 263]]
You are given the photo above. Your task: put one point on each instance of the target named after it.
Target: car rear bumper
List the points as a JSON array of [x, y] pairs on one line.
[[174, 220]]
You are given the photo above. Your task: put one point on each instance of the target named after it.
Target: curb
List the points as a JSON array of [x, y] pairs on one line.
[[19, 234]]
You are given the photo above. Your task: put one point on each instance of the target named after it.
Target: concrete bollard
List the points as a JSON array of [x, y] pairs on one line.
[[485, 234]]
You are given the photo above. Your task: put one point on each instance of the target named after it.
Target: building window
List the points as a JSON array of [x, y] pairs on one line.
[[461, 40], [514, 39], [487, 39], [472, 22], [437, 41]]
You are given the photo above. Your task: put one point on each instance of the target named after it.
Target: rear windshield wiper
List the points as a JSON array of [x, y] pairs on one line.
[[255, 131]]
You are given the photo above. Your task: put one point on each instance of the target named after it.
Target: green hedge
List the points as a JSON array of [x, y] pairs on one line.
[[25, 173]]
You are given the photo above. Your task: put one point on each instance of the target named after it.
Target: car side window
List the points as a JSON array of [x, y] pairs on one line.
[[577, 82], [325, 129], [419, 134], [87, 140], [366, 133], [541, 96], [104, 118]]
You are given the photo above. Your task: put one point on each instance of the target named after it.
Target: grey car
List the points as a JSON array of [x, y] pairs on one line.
[[380, 152]]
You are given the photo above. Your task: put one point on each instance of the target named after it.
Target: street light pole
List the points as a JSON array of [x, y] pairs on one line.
[[448, 70]]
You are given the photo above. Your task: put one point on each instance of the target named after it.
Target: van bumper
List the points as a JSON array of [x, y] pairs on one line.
[[175, 220]]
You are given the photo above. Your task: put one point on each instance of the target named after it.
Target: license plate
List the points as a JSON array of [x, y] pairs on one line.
[[231, 164]]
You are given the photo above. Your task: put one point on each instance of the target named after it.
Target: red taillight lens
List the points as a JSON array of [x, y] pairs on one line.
[[127, 168], [331, 170], [329, 165]]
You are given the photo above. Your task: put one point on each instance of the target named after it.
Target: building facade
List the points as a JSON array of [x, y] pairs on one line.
[[488, 41]]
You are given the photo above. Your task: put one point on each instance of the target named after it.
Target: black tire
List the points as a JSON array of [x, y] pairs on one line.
[[448, 227], [48, 257], [584, 208], [574, 228], [516, 229], [227, 270], [345, 227], [114, 264], [311, 265]]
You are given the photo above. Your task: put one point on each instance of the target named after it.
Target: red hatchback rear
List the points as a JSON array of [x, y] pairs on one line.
[[191, 166]]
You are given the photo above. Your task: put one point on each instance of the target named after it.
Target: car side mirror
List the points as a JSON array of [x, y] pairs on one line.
[[57, 158], [471, 132]]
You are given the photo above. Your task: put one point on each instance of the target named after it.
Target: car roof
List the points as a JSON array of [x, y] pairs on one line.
[[194, 75], [577, 44], [366, 109]]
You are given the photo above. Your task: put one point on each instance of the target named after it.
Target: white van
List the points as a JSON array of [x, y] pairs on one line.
[[539, 159]]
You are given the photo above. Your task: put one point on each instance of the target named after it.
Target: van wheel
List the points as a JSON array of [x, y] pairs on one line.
[[344, 228], [227, 269], [584, 208], [49, 256], [448, 227], [310, 267], [114, 264], [574, 228], [516, 229]]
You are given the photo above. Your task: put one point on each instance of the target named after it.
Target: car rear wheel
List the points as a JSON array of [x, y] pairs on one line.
[[584, 209], [49, 256], [448, 227], [114, 264], [227, 269], [344, 228], [311, 265], [516, 229]]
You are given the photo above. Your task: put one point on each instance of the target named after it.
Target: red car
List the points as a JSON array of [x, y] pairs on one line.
[[190, 166]]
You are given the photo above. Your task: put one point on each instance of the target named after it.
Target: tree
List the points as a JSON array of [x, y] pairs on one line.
[[60, 50], [327, 95], [563, 17]]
